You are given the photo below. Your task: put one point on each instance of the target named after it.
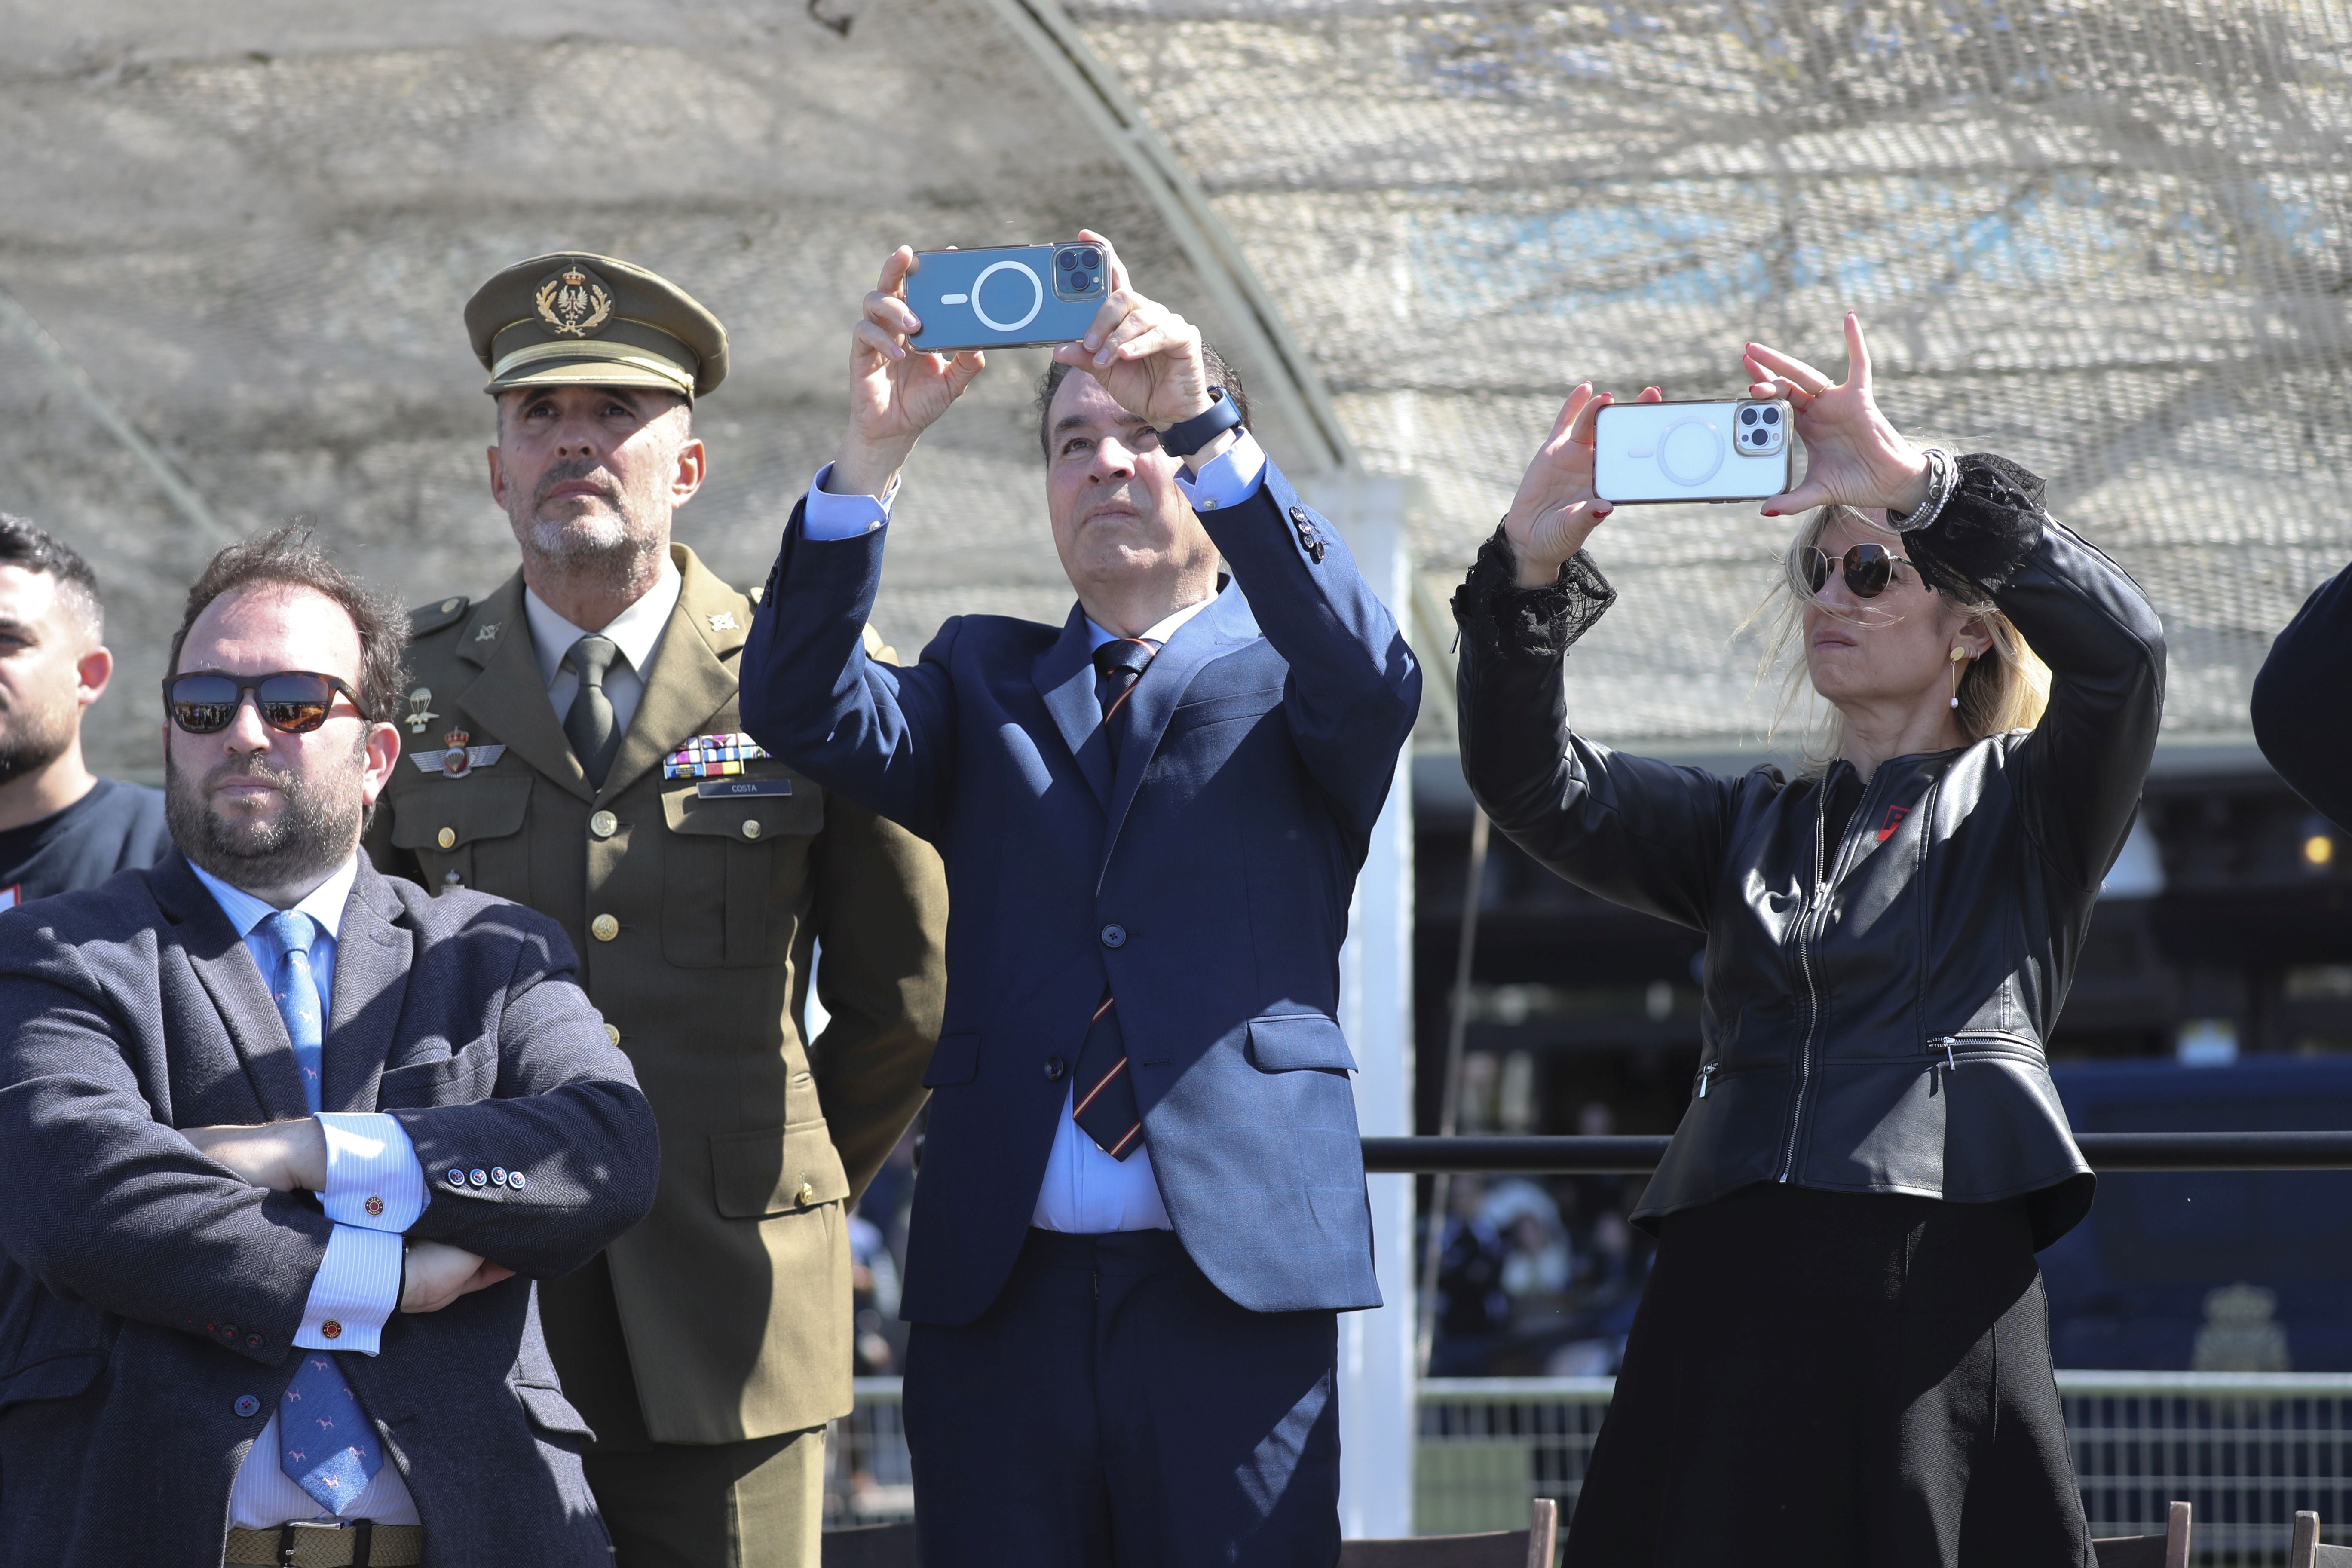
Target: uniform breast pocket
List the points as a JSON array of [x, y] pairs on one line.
[[472, 827], [731, 865]]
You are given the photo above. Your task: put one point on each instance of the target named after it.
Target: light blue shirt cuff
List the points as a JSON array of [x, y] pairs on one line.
[[372, 1178], [829, 516], [356, 1288], [1229, 480]]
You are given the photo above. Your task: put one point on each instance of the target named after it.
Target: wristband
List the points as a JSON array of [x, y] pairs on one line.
[[1186, 437]]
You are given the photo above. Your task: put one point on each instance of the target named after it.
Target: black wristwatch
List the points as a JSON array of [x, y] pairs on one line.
[[1186, 437]]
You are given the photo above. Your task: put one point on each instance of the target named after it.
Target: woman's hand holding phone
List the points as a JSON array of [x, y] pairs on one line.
[[1556, 510], [896, 393], [1852, 455]]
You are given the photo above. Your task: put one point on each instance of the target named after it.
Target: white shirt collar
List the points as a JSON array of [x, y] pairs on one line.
[[324, 904], [637, 630], [1160, 633]]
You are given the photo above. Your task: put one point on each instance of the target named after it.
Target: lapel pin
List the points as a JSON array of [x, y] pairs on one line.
[[487, 631], [724, 621], [419, 714]]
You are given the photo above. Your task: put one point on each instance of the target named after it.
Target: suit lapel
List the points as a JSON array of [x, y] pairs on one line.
[[226, 970], [1064, 675], [372, 957], [509, 696], [1219, 629], [690, 681]]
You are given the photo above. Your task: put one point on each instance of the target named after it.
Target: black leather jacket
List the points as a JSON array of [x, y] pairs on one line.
[[1876, 1005]]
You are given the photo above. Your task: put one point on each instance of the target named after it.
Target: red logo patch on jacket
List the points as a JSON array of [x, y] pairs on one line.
[[1894, 816]]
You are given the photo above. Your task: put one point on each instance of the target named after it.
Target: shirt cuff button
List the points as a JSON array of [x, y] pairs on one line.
[[333, 1328], [374, 1207]]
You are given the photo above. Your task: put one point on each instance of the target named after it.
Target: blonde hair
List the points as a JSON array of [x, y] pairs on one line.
[[2005, 687]]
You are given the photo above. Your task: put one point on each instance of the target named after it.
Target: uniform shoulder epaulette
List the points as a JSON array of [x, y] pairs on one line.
[[754, 591], [428, 618]]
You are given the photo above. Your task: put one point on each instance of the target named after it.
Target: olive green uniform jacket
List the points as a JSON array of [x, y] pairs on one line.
[[694, 913]]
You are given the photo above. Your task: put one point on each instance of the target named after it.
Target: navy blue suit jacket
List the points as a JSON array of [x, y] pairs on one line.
[[1207, 881], [147, 1315]]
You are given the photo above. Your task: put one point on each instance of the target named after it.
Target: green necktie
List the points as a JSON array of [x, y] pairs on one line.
[[590, 726]]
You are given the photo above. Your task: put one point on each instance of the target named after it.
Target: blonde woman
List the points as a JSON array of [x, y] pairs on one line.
[[1843, 1356]]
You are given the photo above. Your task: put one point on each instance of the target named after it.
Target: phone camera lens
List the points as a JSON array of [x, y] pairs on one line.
[[1771, 417], [1761, 438], [1066, 260], [1748, 416], [1080, 282], [1091, 257]]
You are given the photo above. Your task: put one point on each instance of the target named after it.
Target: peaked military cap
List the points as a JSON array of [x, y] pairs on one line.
[[576, 320]]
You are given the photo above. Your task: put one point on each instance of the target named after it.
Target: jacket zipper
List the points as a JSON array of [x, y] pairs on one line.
[[1948, 1044], [1705, 1074], [1817, 907]]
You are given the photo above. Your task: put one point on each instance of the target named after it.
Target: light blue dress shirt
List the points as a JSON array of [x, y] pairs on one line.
[[1086, 1192], [357, 1287]]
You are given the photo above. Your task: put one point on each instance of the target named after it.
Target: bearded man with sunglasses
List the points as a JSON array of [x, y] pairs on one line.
[[1843, 1356], [284, 1145]]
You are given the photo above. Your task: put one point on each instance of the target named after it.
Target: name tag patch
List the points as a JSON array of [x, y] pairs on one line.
[[728, 789], [711, 757]]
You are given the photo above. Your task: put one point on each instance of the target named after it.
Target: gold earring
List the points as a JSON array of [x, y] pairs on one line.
[[1959, 657]]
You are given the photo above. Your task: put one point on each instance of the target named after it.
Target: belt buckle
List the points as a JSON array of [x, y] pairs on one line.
[[361, 1530]]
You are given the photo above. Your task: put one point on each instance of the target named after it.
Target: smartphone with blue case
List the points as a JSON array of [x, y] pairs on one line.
[[1011, 296], [1736, 449]]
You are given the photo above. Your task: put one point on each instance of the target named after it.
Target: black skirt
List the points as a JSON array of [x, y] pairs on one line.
[[1836, 1379]]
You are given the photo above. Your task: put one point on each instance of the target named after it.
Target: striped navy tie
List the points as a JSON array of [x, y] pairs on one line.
[[1103, 1103]]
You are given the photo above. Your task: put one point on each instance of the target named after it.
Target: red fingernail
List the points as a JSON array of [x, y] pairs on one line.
[[1769, 513]]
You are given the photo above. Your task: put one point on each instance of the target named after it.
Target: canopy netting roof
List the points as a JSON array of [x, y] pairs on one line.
[[2107, 239]]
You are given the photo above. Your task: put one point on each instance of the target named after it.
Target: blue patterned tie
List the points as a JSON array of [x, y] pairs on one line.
[[297, 991], [325, 1444]]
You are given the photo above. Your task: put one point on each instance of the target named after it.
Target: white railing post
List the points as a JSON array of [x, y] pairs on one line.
[[1377, 1417]]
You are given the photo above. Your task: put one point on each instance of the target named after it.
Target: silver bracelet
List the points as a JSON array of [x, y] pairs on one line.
[[1943, 479]]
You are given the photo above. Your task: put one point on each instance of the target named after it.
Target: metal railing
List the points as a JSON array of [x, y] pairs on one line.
[[1640, 1156], [2247, 1450]]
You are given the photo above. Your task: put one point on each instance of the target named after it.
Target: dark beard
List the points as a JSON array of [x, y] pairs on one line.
[[30, 739], [311, 834]]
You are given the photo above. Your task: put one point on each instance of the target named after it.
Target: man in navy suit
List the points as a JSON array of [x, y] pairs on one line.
[[1141, 1198], [283, 1143]]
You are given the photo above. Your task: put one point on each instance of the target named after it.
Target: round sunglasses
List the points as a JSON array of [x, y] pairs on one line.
[[296, 701], [1869, 569]]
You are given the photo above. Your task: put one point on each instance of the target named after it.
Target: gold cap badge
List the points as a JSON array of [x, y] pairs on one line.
[[574, 301]]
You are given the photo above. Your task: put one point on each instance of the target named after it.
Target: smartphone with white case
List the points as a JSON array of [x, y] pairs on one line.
[[1011, 296], [1736, 450]]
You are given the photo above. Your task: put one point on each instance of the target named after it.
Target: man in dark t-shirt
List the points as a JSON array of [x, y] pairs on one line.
[[62, 826]]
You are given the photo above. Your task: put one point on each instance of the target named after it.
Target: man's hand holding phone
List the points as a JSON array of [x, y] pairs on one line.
[[896, 392], [1556, 510], [1145, 355]]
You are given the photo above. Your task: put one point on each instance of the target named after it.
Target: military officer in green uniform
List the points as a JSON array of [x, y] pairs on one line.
[[571, 741]]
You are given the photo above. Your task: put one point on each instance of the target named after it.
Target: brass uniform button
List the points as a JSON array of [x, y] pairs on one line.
[[807, 1194], [450, 606], [446, 838], [604, 927], [613, 1033], [751, 829], [603, 824]]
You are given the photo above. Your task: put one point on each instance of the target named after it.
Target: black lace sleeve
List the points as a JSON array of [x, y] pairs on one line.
[[1508, 621], [1987, 529]]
